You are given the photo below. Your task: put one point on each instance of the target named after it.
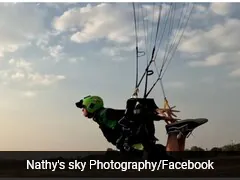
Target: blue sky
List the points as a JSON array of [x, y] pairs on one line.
[[51, 55]]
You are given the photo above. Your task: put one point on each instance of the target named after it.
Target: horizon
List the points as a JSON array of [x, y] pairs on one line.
[[54, 54]]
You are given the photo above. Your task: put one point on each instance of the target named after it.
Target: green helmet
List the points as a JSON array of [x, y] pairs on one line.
[[91, 103]]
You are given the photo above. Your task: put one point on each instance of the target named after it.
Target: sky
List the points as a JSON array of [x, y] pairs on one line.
[[52, 55]]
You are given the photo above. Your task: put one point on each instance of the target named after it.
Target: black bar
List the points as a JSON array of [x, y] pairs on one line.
[[14, 164]]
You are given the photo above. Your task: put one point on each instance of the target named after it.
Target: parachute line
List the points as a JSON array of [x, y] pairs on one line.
[[153, 52], [159, 74], [168, 26], [136, 36]]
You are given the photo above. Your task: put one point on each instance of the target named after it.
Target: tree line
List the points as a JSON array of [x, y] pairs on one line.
[[229, 147]]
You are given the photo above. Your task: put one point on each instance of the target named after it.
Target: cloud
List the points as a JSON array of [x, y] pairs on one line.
[[235, 73], [56, 51], [216, 46], [119, 49], [46, 79], [217, 59], [152, 12], [8, 48], [209, 13], [21, 64], [115, 53], [75, 60], [110, 51], [52, 46], [43, 40], [221, 37], [113, 24], [17, 70], [25, 75], [221, 8], [18, 76], [29, 94], [19, 24], [110, 21], [120, 53]]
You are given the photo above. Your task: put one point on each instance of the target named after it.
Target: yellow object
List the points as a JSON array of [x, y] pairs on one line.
[[138, 146], [166, 105]]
